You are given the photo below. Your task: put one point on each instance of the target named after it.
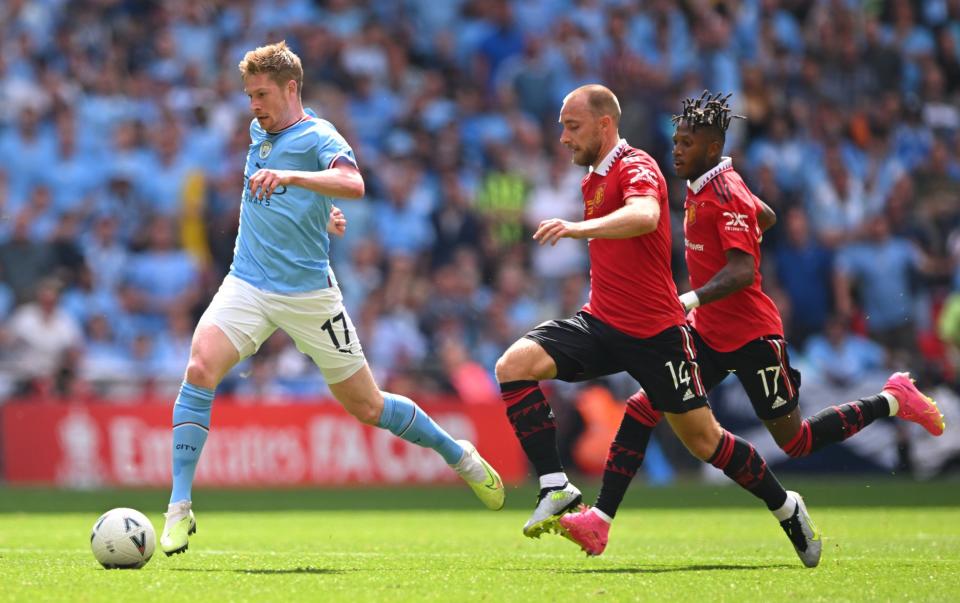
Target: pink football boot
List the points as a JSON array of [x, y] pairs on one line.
[[914, 406], [586, 529]]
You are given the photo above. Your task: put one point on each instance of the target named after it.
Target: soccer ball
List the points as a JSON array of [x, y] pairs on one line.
[[123, 539]]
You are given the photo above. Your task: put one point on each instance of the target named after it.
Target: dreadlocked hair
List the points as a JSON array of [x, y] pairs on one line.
[[708, 110]]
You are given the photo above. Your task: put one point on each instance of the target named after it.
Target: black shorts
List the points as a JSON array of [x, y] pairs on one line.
[[665, 365], [763, 368]]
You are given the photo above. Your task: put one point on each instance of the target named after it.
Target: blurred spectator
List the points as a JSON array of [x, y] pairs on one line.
[[530, 77], [171, 349], [27, 148], [805, 271], [469, 379], [43, 342], [105, 362], [515, 292], [557, 196], [83, 300], [497, 335], [6, 298], [403, 224], [165, 171], [937, 212], [455, 224], [843, 357], [783, 153], [454, 299], [23, 260], [162, 278], [78, 174], [501, 199], [503, 41], [948, 57], [68, 258], [106, 257], [881, 268], [39, 211], [838, 203]]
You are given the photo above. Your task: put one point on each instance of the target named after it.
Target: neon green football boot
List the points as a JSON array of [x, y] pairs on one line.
[[481, 477], [180, 524]]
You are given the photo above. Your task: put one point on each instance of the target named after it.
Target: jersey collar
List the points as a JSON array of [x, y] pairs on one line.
[[308, 114], [612, 156], [697, 185]]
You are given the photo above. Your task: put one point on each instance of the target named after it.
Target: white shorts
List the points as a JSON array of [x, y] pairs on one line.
[[316, 321]]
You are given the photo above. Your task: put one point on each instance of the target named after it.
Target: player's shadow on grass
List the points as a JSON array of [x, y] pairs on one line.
[[264, 571], [677, 568]]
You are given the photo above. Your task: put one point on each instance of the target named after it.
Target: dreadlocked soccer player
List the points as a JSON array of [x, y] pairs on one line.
[[736, 327]]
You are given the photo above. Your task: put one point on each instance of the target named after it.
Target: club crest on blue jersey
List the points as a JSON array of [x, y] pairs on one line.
[[265, 149]]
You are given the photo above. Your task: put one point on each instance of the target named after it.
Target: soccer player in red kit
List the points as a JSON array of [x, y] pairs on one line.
[[632, 322], [737, 329]]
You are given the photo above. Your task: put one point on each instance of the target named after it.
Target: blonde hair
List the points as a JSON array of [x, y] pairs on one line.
[[277, 61]]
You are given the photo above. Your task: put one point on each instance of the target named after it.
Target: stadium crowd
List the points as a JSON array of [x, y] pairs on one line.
[[123, 129]]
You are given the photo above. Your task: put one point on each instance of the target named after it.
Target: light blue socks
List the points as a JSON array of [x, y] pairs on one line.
[[406, 420], [191, 422]]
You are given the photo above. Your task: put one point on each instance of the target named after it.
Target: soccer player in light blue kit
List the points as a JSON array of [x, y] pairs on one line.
[[281, 278]]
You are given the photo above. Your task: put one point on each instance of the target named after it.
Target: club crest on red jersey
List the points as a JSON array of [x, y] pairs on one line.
[[691, 214], [592, 205]]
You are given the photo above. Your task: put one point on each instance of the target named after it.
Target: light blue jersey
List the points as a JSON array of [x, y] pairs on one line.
[[282, 245]]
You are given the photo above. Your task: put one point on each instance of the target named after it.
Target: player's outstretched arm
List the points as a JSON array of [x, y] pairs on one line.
[[638, 216], [734, 276], [342, 181]]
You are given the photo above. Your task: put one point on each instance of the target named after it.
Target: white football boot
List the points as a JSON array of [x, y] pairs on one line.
[[552, 503], [803, 533]]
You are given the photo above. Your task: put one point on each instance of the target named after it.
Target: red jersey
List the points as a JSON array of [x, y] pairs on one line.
[[721, 214], [631, 284]]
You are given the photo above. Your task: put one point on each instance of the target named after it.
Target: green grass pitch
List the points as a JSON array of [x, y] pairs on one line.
[[883, 541]]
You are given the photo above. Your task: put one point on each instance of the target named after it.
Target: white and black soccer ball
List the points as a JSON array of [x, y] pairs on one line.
[[123, 539]]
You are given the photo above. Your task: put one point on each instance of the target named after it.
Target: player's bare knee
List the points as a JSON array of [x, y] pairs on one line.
[[512, 366], [702, 443], [525, 360], [701, 447], [200, 373], [504, 370], [785, 431], [363, 406], [368, 414]]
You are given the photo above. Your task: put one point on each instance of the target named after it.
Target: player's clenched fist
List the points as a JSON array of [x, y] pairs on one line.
[[554, 229], [337, 224], [263, 183]]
